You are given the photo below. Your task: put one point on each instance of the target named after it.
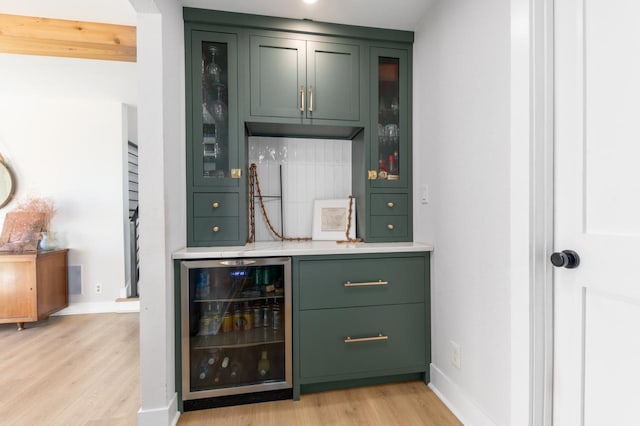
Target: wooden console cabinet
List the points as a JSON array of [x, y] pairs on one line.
[[32, 286]]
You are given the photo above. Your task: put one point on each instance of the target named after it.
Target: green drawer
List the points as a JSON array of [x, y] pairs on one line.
[[322, 282], [324, 353], [389, 226], [389, 204], [203, 229], [215, 204]]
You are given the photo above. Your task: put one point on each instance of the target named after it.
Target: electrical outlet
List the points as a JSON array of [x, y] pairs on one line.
[[99, 288], [455, 354]]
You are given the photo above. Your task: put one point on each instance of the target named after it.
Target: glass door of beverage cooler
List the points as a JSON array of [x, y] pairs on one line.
[[236, 326]]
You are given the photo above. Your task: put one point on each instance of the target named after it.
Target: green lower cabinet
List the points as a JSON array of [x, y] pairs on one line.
[[360, 320], [361, 282], [368, 340]]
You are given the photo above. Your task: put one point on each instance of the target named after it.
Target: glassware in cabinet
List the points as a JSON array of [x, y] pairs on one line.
[[214, 100], [390, 117]]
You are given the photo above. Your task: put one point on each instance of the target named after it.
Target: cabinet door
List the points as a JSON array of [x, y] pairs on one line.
[[214, 109], [390, 117], [333, 80], [17, 289], [365, 341], [277, 69]]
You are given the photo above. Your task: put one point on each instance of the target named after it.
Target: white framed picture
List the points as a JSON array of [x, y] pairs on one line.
[[330, 219]]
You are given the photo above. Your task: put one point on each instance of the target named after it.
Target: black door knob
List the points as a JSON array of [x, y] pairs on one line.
[[565, 259]]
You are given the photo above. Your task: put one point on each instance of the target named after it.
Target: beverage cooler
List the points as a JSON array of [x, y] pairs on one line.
[[235, 331]]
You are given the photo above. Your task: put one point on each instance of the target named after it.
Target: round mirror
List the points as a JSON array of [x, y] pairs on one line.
[[7, 184]]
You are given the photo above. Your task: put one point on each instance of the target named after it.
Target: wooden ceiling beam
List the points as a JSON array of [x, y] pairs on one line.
[[29, 35]]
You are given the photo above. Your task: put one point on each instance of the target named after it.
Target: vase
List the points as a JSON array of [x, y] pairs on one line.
[[47, 241]]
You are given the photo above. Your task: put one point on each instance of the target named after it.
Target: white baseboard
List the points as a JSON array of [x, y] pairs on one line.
[[456, 400], [100, 308], [164, 416]]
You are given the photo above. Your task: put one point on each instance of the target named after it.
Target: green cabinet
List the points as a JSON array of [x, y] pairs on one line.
[[360, 319], [364, 340], [388, 194], [304, 79], [215, 156], [252, 75]]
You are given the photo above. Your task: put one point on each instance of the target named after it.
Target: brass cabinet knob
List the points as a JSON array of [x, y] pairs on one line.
[[390, 227], [216, 205], [215, 228], [390, 204]]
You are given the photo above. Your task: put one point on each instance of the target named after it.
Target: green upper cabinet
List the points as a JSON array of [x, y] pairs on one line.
[[390, 118], [301, 79], [214, 109], [386, 209], [216, 187]]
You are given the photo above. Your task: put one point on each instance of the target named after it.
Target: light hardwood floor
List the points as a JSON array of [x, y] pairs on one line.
[[84, 370], [70, 370], [406, 404]]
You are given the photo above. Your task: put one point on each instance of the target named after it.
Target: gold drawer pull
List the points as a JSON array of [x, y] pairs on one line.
[[390, 204], [216, 205], [365, 284], [215, 228], [390, 227], [380, 336]]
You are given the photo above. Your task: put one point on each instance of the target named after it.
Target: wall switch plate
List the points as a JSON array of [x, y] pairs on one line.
[[455, 354], [424, 194]]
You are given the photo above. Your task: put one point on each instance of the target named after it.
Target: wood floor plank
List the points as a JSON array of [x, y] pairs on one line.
[[71, 370], [410, 403]]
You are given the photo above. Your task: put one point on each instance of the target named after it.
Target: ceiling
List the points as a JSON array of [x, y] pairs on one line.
[[394, 14]]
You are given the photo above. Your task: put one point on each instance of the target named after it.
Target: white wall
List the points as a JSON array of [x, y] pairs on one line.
[[462, 151], [70, 151], [61, 130], [109, 12]]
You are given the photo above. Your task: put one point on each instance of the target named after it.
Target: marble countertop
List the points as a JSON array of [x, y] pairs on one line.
[[297, 248]]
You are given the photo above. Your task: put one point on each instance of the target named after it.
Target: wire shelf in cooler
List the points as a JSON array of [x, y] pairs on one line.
[[236, 339]]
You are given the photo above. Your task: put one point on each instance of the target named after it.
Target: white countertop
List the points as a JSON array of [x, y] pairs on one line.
[[297, 248]]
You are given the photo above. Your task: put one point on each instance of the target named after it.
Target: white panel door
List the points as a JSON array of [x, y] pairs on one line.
[[597, 212]]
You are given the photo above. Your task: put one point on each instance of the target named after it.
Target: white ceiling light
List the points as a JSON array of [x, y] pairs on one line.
[[309, 1]]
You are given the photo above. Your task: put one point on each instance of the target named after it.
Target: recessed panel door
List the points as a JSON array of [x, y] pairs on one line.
[[333, 81], [278, 86], [597, 213]]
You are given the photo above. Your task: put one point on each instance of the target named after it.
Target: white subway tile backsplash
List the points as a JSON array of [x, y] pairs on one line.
[[312, 169]]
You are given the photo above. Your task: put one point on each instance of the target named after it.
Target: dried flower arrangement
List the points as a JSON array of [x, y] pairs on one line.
[[22, 226], [42, 205]]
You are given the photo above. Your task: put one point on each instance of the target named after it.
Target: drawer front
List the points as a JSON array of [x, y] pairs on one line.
[[215, 204], [322, 282], [389, 204], [389, 226], [203, 229], [324, 353]]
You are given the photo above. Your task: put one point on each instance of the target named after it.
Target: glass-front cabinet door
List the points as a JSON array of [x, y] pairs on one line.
[[214, 103], [390, 118], [235, 326]]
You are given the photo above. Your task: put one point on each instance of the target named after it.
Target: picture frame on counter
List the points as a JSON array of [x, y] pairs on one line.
[[330, 219]]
